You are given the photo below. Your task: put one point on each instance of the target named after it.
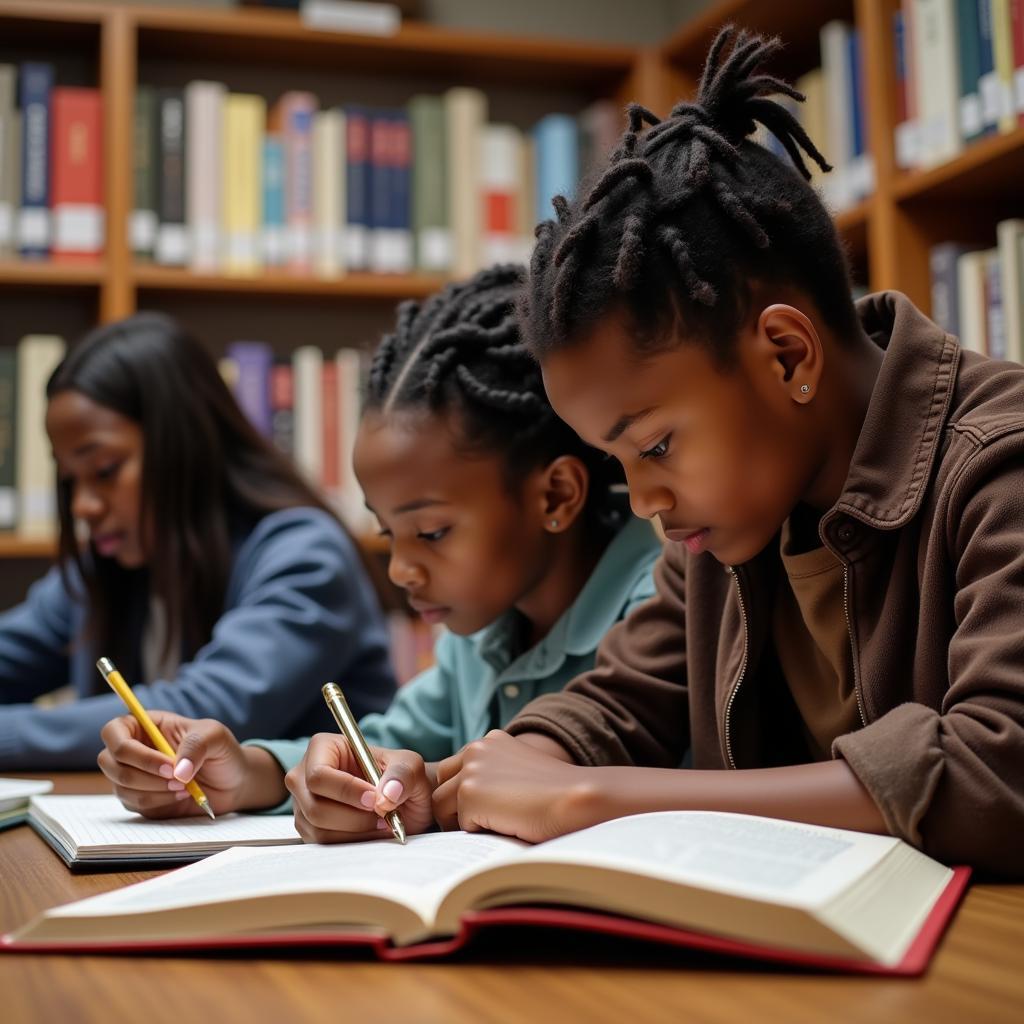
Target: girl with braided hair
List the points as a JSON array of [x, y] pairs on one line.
[[504, 527], [836, 635]]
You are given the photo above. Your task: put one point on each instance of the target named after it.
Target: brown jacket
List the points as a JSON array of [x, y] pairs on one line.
[[930, 531]]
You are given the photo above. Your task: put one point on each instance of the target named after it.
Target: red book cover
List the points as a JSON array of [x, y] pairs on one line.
[[77, 176], [1017, 24], [331, 475]]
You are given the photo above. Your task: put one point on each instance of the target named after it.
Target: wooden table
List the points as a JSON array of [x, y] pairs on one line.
[[977, 975]]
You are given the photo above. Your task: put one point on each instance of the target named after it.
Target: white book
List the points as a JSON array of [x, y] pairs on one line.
[[38, 356], [14, 797], [1010, 243], [372, 19], [937, 80], [500, 160], [97, 831], [204, 137], [307, 364], [970, 276], [838, 187], [466, 114], [329, 202]]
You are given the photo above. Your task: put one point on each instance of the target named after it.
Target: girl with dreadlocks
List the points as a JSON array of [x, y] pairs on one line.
[[504, 527], [837, 619]]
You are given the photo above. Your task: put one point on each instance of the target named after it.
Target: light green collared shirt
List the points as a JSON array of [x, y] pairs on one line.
[[478, 684]]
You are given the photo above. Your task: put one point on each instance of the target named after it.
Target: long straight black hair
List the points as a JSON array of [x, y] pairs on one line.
[[207, 475]]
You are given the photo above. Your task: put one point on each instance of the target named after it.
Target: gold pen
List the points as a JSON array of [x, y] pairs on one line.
[[116, 682], [350, 730]]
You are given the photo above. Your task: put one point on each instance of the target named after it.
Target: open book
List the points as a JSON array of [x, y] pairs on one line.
[[14, 797], [93, 832], [718, 881]]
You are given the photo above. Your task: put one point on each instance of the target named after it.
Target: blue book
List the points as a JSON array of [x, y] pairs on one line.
[[35, 84], [358, 187], [252, 388], [556, 140], [401, 191], [853, 68], [381, 217], [275, 251], [988, 77]]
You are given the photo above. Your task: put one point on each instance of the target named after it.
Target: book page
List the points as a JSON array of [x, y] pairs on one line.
[[14, 792], [99, 824], [764, 858], [417, 874]]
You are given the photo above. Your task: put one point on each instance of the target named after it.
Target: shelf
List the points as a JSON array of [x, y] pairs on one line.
[[688, 47], [990, 169], [251, 36], [14, 546], [48, 274], [355, 286]]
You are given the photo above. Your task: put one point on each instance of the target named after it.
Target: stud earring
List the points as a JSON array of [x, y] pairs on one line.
[[805, 389], [553, 524]]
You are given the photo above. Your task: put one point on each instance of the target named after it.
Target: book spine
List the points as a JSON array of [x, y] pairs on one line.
[[1002, 39], [244, 117], [77, 187], [988, 78], [401, 189], [330, 473], [499, 165], [970, 271], [142, 229], [1009, 240], [37, 356], [273, 229], [206, 149], [172, 242], [1017, 30], [8, 422], [380, 194], [836, 67], [253, 360], [429, 185], [942, 260], [557, 160], [908, 133], [938, 88], [350, 363], [307, 362], [298, 136], [10, 151], [968, 30], [282, 407], [465, 116], [328, 191], [34, 228], [357, 188], [994, 316]]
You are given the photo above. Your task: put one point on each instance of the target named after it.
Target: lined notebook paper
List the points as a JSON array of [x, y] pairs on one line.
[[96, 831], [14, 797]]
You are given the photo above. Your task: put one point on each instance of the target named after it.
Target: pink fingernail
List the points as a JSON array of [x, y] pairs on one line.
[[175, 786], [183, 795], [184, 770], [393, 790], [166, 771], [368, 799], [381, 824]]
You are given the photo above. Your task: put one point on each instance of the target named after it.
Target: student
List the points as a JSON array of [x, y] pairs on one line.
[[213, 575], [504, 527], [839, 612]]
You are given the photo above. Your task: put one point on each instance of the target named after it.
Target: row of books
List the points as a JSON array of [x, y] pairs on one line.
[[978, 293], [834, 115], [224, 184], [309, 405], [960, 75], [51, 166]]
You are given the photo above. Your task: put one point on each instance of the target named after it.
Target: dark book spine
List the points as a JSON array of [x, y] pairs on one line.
[[172, 237], [36, 83]]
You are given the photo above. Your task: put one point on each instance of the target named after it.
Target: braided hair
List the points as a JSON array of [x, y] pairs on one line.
[[460, 352], [686, 215]]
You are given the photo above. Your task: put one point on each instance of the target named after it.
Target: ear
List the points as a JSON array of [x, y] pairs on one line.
[[561, 490], [795, 350]]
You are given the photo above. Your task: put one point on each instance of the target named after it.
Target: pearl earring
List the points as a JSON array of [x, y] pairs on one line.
[[553, 524], [805, 389]]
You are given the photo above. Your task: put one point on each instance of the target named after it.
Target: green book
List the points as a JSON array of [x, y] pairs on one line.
[[146, 152], [8, 418], [430, 219], [10, 158], [968, 41]]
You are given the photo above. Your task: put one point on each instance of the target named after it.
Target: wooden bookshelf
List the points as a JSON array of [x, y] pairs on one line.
[[46, 274]]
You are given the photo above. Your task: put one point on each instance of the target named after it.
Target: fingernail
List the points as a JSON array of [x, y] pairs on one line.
[[183, 795], [393, 790], [166, 771], [381, 824], [368, 799], [184, 770], [175, 786]]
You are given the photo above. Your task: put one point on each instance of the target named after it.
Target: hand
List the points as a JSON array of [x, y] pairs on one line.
[[153, 784], [507, 785], [335, 804]]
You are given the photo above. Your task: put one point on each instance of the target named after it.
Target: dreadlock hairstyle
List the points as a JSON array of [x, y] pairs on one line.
[[687, 213], [461, 352]]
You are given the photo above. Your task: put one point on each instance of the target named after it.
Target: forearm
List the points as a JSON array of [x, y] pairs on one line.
[[264, 780], [820, 794]]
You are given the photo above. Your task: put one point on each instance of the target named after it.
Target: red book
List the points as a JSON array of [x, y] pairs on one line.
[[282, 406], [331, 474], [77, 176], [1017, 24]]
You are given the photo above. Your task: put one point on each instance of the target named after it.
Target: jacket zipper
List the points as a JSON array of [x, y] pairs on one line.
[[743, 668], [853, 652]]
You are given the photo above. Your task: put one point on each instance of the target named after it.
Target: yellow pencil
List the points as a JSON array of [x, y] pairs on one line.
[[124, 691]]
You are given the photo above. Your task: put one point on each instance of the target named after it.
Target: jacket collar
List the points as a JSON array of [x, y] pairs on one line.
[[899, 441]]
